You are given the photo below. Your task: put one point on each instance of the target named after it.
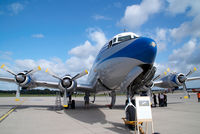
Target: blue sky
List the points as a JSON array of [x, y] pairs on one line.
[[65, 36]]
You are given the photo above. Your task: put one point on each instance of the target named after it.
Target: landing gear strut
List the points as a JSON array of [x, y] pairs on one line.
[[130, 110], [113, 99], [68, 104]]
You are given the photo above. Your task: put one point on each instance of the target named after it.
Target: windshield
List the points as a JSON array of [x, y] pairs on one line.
[[124, 38]]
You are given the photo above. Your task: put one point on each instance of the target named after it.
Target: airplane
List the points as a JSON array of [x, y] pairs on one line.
[[125, 63]]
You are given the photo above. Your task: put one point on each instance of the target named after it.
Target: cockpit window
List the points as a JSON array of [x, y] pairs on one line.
[[114, 40], [124, 38]]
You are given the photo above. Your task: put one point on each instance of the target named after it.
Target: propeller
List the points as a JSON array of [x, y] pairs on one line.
[[20, 77], [183, 80], [66, 82]]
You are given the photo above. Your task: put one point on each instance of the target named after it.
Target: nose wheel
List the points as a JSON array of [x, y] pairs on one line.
[[130, 109]]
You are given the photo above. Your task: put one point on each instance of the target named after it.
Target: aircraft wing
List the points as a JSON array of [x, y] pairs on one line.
[[160, 82], [80, 87], [157, 83], [6, 79], [47, 84], [193, 78]]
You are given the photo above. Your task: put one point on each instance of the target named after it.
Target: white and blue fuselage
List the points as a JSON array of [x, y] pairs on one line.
[[119, 64]]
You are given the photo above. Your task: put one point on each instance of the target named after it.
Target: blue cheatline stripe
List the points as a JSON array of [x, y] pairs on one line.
[[140, 49], [29, 80], [174, 79]]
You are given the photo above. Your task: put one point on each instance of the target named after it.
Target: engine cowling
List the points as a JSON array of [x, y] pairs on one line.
[[22, 79], [173, 80], [66, 83]]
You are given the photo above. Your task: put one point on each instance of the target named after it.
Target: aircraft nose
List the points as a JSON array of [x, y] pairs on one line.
[[146, 49]]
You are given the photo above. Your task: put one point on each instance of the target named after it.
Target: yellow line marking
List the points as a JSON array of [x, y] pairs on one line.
[[10, 111], [5, 115]]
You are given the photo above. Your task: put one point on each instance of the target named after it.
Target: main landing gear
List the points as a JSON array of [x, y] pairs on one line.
[[68, 104], [113, 99]]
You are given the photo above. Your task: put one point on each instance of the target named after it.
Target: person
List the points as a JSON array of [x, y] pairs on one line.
[[165, 100], [198, 96], [159, 99], [154, 100], [86, 99]]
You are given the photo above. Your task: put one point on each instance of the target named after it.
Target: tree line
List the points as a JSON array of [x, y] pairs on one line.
[[30, 91]]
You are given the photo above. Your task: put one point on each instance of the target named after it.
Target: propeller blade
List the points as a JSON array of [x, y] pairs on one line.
[[168, 69], [157, 77], [34, 70], [185, 90], [53, 74], [80, 75], [191, 71], [18, 94], [8, 70]]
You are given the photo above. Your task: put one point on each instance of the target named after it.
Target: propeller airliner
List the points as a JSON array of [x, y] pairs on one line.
[[125, 63]]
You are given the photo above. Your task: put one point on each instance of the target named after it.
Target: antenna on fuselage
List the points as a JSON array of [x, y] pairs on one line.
[[125, 30]]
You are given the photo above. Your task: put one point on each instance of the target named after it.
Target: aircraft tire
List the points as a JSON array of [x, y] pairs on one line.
[[73, 104], [126, 102], [130, 116]]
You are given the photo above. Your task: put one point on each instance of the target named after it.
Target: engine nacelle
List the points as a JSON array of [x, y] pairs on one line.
[[66, 83], [173, 80], [23, 80]]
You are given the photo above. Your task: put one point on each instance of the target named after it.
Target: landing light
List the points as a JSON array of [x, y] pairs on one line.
[[153, 44]]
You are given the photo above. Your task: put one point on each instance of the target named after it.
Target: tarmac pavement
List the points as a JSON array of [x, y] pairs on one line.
[[37, 115]]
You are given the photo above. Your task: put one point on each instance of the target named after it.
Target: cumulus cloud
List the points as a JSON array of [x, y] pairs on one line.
[[15, 8], [136, 15], [189, 28], [38, 35], [184, 52], [182, 59], [84, 55], [161, 38], [189, 6]]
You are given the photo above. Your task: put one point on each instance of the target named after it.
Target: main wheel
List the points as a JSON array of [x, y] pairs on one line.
[[73, 104], [130, 116]]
